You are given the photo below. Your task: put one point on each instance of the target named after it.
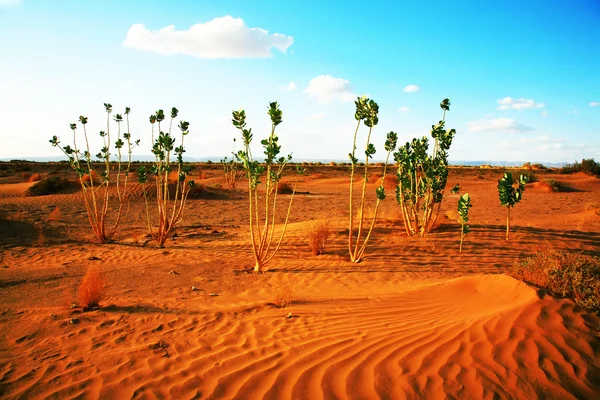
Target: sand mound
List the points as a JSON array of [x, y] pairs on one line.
[[465, 338]]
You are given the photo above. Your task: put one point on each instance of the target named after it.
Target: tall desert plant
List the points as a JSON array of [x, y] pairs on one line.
[[170, 206], [96, 194], [422, 177], [262, 228], [510, 193], [233, 169], [367, 111], [464, 203]]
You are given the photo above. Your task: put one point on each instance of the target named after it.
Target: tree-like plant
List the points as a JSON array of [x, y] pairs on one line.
[[367, 111], [262, 228], [233, 169], [170, 196], [422, 177], [464, 203], [96, 194], [510, 193]]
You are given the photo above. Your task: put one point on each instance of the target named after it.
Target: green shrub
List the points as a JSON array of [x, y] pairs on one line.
[[587, 166], [54, 184], [571, 275], [553, 185]]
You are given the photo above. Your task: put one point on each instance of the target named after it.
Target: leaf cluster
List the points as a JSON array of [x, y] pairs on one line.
[[511, 191]]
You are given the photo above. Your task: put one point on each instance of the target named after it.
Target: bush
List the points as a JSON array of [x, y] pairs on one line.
[[317, 237], [47, 186], [571, 275], [283, 296], [587, 166], [91, 290]]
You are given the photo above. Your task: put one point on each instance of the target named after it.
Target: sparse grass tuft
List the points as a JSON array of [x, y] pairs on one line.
[[571, 275], [318, 236], [283, 291], [284, 188], [91, 290]]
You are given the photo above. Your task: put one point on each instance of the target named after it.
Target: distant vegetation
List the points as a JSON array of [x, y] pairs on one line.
[[587, 166]]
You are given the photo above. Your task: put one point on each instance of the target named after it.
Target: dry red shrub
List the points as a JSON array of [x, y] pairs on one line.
[[91, 290], [317, 237]]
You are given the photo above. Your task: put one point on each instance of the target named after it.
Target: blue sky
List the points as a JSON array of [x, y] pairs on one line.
[[523, 76]]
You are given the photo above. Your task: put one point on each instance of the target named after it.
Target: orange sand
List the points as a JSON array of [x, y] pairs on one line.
[[416, 319]]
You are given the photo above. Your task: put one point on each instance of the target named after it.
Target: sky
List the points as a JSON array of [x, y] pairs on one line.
[[523, 77]]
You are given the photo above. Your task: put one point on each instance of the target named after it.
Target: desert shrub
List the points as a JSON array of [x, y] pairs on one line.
[[423, 175], [464, 203], [571, 275], [317, 237], [26, 175], [367, 112], [553, 185], [284, 188], [283, 295], [587, 166], [51, 185], [35, 178], [95, 190], [91, 289], [510, 193], [262, 228]]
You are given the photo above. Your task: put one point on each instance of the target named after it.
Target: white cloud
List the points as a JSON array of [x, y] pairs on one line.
[[411, 88], [316, 117], [326, 88], [595, 104], [572, 112], [289, 87], [404, 109], [508, 103], [544, 113], [224, 37], [9, 3], [498, 124]]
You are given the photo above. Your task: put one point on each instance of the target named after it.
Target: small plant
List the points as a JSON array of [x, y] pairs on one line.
[[464, 203], [422, 177], [367, 111], [170, 186], [283, 291], [91, 289], [233, 169], [273, 167], [510, 193], [317, 237], [96, 195]]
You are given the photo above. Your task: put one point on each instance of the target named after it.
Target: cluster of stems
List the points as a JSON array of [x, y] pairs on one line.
[[170, 196], [262, 227], [96, 194], [422, 177], [367, 111]]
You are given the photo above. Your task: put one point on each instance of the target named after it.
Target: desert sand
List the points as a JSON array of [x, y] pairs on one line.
[[416, 319]]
